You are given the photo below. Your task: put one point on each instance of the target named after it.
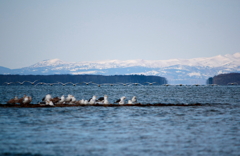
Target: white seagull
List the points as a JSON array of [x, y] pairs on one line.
[[27, 100], [81, 101], [73, 100], [62, 100], [50, 103], [85, 102], [92, 100], [121, 100], [105, 101], [133, 100], [47, 98], [68, 99]]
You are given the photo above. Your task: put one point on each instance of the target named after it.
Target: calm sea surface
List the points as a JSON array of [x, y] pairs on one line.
[[210, 129]]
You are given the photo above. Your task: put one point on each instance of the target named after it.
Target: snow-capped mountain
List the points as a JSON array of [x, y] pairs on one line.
[[185, 71]]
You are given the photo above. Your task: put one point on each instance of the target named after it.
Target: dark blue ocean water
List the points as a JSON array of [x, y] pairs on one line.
[[210, 129]]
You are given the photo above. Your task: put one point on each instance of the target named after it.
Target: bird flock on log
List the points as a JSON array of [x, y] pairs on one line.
[[70, 100], [23, 101]]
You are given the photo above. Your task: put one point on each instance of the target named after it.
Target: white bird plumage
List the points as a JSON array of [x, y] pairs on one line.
[[121, 101], [81, 101], [85, 102], [93, 99], [68, 99], [73, 100], [27, 99], [62, 100], [105, 101], [133, 100], [47, 100]]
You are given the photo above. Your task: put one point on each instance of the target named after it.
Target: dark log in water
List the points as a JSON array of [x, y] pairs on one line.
[[98, 105]]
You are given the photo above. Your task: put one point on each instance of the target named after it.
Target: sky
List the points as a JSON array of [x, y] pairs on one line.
[[98, 30]]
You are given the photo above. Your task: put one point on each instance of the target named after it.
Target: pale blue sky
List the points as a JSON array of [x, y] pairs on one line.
[[92, 30]]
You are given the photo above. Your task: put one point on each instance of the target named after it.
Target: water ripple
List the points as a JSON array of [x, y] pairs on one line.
[[212, 129]]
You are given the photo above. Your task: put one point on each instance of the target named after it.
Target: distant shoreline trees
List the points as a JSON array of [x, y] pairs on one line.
[[99, 79], [225, 79]]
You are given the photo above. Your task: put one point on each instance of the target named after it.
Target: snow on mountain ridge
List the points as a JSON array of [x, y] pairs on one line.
[[50, 62], [215, 61], [176, 71]]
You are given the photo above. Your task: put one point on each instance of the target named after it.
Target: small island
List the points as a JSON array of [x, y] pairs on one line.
[[225, 79]]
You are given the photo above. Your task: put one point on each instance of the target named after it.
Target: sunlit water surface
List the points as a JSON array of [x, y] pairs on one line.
[[210, 129]]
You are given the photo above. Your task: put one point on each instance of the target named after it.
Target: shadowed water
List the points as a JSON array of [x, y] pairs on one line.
[[211, 129]]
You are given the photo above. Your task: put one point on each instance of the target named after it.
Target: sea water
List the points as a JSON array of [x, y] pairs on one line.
[[210, 129]]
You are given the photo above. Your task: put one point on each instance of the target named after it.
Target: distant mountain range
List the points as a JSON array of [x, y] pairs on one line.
[[176, 71]]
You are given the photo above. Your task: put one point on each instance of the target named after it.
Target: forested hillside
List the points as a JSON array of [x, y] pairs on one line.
[[99, 79], [226, 79]]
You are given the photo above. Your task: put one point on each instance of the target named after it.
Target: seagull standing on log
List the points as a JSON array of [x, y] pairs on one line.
[[121, 101]]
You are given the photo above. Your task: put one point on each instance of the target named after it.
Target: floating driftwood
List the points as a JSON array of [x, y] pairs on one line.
[[98, 105]]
